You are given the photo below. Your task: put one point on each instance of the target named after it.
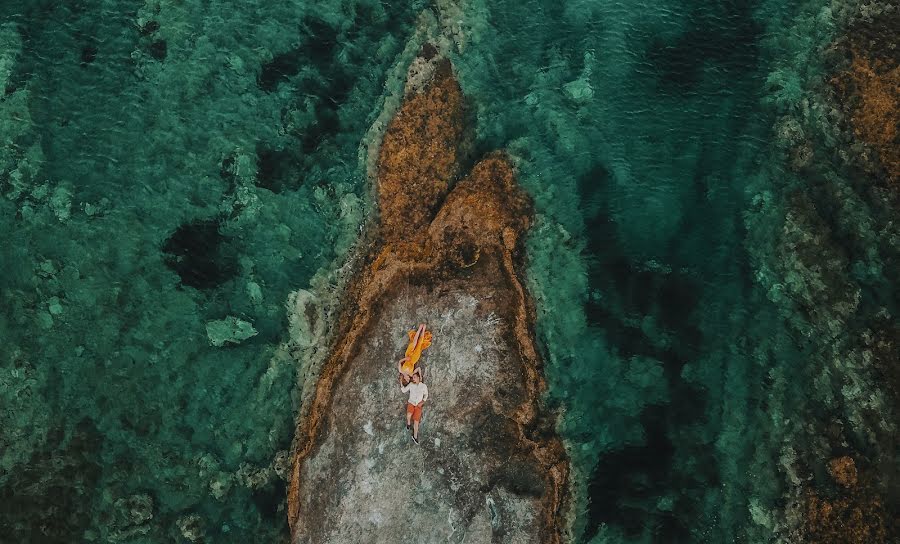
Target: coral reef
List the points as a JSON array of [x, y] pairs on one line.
[[492, 441]]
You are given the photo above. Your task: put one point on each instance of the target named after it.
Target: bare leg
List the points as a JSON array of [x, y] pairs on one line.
[[409, 420], [416, 430], [419, 333]]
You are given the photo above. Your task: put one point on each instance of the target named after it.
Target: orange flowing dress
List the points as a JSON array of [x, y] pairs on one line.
[[414, 351]]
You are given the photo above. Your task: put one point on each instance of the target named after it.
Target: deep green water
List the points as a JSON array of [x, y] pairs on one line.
[[168, 164]]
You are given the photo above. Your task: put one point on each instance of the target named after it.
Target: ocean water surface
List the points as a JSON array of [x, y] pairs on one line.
[[171, 170]]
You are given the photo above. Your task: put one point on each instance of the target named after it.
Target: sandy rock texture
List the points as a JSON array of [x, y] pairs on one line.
[[490, 467]]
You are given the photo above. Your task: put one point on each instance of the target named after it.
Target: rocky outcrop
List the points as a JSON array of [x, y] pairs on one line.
[[490, 467], [421, 153]]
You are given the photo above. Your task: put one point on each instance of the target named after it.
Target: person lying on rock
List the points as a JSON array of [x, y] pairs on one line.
[[418, 394], [418, 340]]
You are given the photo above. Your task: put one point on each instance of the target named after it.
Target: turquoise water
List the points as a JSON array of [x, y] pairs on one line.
[[649, 312], [168, 166], [181, 162]]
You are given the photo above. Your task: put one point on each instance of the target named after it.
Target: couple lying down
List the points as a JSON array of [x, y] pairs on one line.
[[411, 378]]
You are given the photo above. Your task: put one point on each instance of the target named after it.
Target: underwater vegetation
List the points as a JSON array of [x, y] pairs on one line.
[[169, 172], [185, 189]]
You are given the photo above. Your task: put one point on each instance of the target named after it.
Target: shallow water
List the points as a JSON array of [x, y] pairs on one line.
[[169, 164], [191, 161], [648, 309]]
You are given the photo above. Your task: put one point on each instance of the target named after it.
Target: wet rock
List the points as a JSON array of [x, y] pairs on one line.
[[230, 330], [853, 518], [813, 267], [253, 477], [306, 324], [281, 465], [832, 265], [421, 153]]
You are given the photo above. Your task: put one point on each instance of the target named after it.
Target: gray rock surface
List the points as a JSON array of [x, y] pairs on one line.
[[469, 480]]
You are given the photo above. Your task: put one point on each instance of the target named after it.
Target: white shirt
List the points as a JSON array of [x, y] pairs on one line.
[[418, 392]]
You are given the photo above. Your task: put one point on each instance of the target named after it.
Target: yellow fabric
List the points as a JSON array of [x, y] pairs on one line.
[[414, 350]]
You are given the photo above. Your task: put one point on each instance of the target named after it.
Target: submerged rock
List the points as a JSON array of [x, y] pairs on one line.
[[845, 519], [869, 88], [132, 519], [490, 467], [191, 527], [843, 470], [230, 330]]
